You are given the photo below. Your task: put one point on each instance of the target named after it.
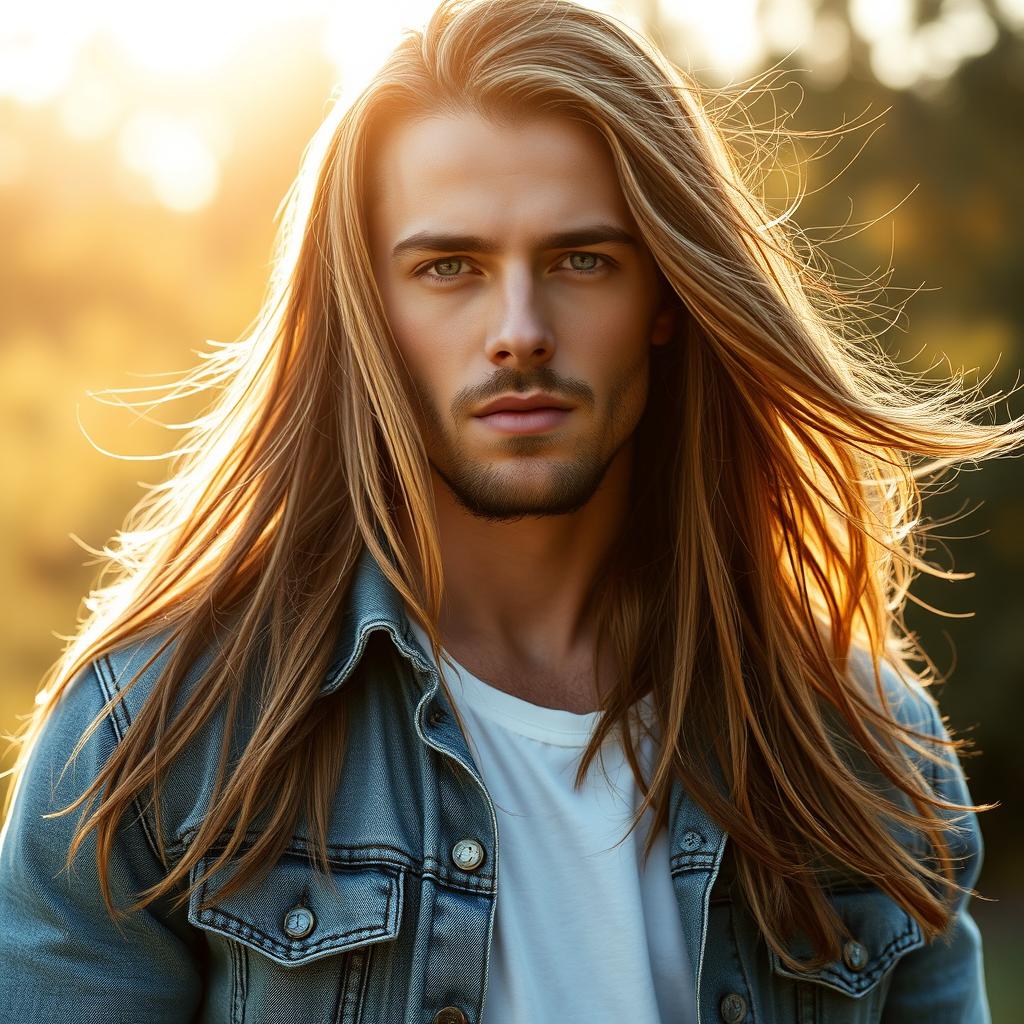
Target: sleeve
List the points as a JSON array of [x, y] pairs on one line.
[[943, 982], [62, 958]]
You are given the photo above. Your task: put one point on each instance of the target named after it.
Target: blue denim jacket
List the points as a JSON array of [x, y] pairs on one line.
[[406, 932]]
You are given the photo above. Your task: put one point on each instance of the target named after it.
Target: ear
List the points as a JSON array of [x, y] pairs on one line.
[[665, 322]]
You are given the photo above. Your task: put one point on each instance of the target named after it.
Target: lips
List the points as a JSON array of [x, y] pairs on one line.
[[524, 421], [519, 403]]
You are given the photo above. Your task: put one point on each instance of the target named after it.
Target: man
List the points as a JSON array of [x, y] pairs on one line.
[[519, 642], [529, 352]]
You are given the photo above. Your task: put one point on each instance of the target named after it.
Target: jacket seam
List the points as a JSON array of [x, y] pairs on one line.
[[755, 1009], [247, 931], [147, 830], [401, 861], [236, 950]]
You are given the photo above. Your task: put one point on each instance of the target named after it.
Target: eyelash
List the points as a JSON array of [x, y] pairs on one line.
[[422, 272]]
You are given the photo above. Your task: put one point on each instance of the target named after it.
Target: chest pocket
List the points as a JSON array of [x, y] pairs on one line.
[[299, 945], [881, 931], [295, 915]]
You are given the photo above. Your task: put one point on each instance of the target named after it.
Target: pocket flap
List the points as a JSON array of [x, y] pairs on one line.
[[882, 931], [294, 915]]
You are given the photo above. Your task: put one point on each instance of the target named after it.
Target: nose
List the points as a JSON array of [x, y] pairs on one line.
[[523, 337]]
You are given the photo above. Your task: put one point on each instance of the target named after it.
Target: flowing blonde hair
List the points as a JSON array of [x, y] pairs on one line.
[[775, 520]]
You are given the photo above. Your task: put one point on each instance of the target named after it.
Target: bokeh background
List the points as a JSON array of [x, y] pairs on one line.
[[144, 150]]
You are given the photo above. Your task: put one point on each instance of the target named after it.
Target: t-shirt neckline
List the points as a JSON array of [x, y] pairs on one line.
[[556, 726]]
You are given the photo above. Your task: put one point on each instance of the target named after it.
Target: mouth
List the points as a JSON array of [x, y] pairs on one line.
[[525, 421]]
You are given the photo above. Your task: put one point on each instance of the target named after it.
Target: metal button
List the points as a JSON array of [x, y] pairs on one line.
[[733, 1008], [855, 956], [450, 1015], [299, 922], [692, 841], [468, 854]]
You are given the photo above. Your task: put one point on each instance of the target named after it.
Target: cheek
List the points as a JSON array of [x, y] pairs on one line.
[[614, 344], [433, 367], [617, 354], [420, 341], [613, 316]]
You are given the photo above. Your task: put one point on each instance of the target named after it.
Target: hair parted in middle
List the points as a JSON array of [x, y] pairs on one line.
[[774, 527]]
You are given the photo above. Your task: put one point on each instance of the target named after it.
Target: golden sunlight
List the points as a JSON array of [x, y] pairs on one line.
[[159, 85]]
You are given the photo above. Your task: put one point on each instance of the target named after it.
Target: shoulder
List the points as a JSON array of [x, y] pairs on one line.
[[117, 689], [67, 750], [898, 692], [136, 668], [909, 703]]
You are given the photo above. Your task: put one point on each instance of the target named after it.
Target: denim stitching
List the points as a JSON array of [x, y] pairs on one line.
[[148, 832], [223, 921], [691, 861], [430, 867], [742, 963], [364, 983], [337, 674], [861, 982], [236, 995]]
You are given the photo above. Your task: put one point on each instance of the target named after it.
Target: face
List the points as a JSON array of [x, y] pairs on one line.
[[509, 264]]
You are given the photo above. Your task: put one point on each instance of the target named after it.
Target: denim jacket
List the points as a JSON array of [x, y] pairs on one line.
[[404, 934]]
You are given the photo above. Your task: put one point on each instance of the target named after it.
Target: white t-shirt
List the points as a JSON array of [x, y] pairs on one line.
[[583, 932]]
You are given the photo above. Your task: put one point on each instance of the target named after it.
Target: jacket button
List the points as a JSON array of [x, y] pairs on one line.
[[449, 1015], [733, 1008], [468, 854], [855, 956], [692, 841], [299, 922], [436, 716]]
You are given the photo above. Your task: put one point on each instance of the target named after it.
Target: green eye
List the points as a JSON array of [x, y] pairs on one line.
[[584, 256], [449, 268], [440, 264]]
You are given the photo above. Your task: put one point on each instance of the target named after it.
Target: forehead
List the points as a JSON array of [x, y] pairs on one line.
[[462, 171]]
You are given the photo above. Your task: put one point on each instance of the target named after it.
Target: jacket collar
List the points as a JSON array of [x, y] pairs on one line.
[[373, 604]]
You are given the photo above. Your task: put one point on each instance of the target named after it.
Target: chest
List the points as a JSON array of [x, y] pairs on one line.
[[573, 687], [404, 926]]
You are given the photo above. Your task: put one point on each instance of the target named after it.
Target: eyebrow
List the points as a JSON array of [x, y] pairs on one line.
[[432, 241]]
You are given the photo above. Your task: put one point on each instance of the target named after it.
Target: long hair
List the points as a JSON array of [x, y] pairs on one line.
[[775, 520]]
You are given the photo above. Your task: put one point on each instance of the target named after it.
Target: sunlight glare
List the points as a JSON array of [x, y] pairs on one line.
[[37, 58], [173, 157], [91, 107], [193, 36], [827, 54], [903, 56], [724, 34], [968, 27], [786, 25], [45, 57], [875, 20], [357, 47], [1012, 11]]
